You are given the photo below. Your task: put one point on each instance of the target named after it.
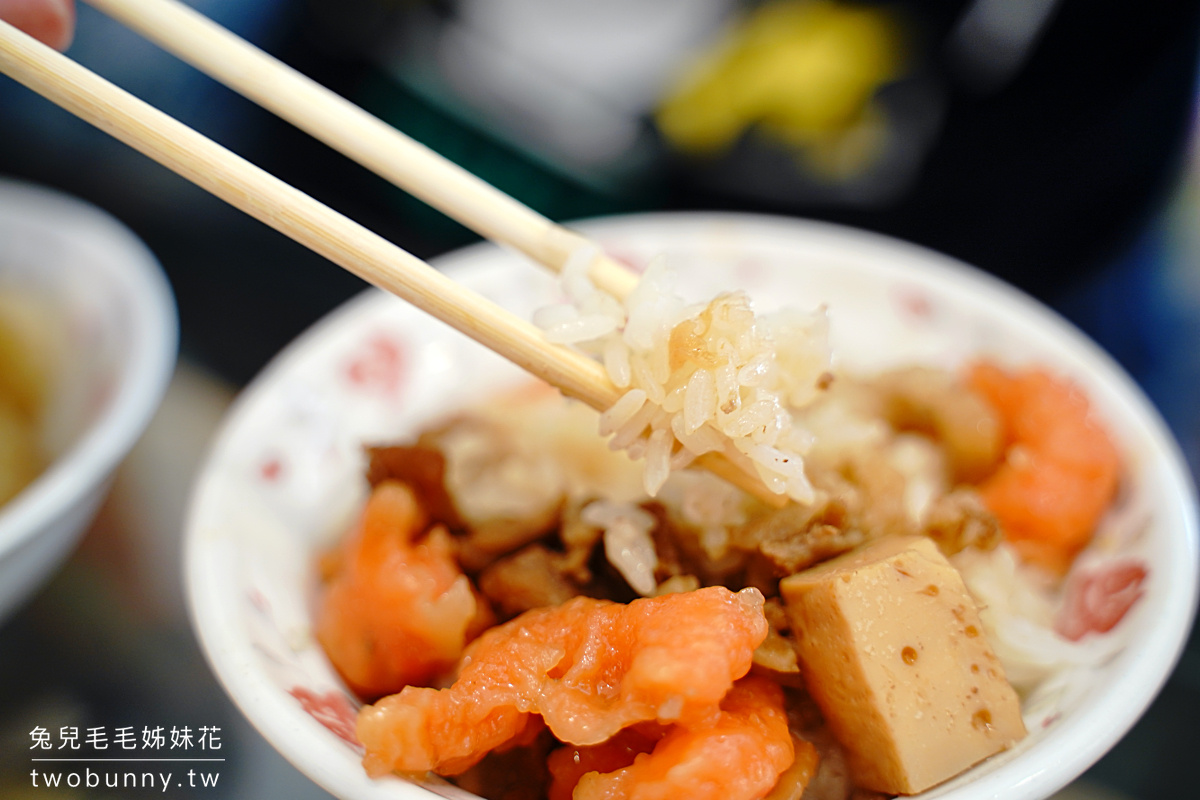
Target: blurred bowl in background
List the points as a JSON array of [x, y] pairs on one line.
[[286, 471], [87, 307]]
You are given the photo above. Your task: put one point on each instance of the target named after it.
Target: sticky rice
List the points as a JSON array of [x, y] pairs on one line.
[[699, 378]]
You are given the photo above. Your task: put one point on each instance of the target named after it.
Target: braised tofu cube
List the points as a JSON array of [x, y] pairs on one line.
[[894, 654]]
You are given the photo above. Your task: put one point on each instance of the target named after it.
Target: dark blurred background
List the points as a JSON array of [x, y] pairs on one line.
[[1046, 141], [1038, 139]]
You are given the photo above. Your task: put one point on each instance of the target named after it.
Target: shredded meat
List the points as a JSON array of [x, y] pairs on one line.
[[776, 659], [871, 492], [936, 403], [532, 577], [423, 467], [473, 477], [959, 520], [579, 540], [795, 537]]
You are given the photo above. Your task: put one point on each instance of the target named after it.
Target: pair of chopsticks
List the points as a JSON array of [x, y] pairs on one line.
[[362, 137]]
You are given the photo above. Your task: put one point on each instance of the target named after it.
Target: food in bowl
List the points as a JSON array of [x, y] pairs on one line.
[[89, 345], [284, 479], [523, 613]]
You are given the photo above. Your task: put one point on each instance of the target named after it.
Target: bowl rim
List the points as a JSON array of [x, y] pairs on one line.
[[1109, 721], [146, 368]]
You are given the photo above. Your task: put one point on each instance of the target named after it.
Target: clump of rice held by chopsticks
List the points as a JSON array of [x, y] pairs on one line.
[[699, 378]]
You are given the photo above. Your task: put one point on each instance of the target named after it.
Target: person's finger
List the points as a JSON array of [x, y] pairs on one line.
[[51, 21]]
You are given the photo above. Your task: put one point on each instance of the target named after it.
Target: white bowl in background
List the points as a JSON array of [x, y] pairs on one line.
[[118, 325], [285, 471]]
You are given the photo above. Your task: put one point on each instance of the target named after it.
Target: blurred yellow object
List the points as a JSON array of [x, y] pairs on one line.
[[20, 461], [29, 352], [804, 71], [25, 349]]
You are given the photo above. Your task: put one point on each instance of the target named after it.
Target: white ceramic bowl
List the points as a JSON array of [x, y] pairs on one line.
[[285, 470], [117, 318]]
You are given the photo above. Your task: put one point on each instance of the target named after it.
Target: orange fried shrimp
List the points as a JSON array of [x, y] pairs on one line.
[[737, 755], [588, 667], [1062, 468], [397, 609]]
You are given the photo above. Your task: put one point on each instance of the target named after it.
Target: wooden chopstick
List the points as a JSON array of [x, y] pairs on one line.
[[295, 214], [318, 227], [357, 134]]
